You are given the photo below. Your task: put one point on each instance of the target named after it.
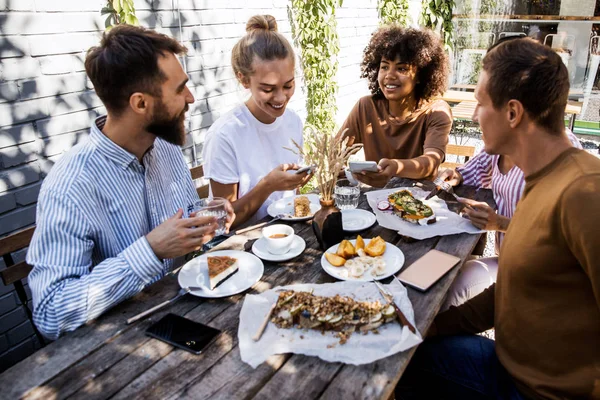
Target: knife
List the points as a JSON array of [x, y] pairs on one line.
[[434, 192], [182, 292], [390, 299]]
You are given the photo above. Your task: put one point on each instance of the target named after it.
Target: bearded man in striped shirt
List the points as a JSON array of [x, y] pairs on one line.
[[110, 216]]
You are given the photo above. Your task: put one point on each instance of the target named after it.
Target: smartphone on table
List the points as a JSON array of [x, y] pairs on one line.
[[183, 333], [360, 166]]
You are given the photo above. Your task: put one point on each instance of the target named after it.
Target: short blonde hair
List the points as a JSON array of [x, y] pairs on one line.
[[261, 40]]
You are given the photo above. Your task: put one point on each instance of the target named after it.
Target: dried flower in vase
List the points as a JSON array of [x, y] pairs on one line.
[[330, 154]]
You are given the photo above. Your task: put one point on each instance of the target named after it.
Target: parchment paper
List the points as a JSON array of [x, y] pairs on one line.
[[359, 349], [448, 222]]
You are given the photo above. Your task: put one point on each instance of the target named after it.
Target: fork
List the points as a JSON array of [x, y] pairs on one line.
[[446, 187], [390, 299]]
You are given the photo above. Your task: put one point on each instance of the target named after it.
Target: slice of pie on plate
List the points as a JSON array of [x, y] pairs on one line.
[[220, 268]]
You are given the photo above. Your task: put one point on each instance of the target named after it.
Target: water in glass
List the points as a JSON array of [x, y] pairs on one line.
[[221, 216], [346, 197], [214, 207]]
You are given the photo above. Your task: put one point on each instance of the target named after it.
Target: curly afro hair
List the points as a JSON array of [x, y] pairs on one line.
[[419, 47]]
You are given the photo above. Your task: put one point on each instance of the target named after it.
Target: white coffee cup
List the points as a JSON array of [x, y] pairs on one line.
[[278, 238]]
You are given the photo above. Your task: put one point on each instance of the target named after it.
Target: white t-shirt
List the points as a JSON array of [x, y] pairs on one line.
[[241, 149]]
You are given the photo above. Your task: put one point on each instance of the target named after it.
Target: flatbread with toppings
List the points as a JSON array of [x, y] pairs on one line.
[[410, 209], [338, 313]]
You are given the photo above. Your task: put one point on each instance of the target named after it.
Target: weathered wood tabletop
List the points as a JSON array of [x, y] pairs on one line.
[[108, 359]]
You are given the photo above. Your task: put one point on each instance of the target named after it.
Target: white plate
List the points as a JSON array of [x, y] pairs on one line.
[[195, 273], [393, 256], [260, 249], [356, 220], [286, 206]]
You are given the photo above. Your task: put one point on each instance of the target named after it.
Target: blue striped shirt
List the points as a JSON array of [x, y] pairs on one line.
[[95, 208]]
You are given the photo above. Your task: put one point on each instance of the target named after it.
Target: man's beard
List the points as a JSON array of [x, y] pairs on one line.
[[170, 129]]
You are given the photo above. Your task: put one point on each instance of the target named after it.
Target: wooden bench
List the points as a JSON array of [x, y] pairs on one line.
[[464, 110], [16, 272], [458, 150]]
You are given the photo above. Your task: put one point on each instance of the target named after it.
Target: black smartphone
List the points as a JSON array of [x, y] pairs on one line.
[[183, 333]]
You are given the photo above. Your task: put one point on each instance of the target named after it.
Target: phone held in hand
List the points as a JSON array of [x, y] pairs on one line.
[[183, 333], [308, 169], [360, 166]]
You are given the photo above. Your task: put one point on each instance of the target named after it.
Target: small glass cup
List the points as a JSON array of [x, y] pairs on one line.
[[346, 194], [214, 207]]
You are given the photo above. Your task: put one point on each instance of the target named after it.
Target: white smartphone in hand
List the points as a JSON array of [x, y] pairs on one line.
[[360, 166], [308, 169]]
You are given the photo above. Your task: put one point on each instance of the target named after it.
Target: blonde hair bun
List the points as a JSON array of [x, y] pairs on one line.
[[261, 41], [261, 23]]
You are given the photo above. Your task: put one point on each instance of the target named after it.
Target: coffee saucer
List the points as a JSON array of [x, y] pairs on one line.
[[259, 248]]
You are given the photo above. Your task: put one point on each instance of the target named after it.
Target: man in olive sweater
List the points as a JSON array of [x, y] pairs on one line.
[[545, 305]]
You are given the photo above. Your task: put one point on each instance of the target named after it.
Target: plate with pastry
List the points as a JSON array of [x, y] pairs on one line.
[[295, 208], [362, 259], [221, 273]]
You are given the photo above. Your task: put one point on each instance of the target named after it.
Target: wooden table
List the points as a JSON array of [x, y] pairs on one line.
[[107, 358]]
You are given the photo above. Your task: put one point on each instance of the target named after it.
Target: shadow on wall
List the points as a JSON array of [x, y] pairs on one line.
[[41, 116], [47, 104]]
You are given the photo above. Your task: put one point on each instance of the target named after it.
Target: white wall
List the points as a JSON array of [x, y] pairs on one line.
[[47, 103]]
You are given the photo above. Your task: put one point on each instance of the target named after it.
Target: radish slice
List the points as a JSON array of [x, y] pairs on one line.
[[383, 205]]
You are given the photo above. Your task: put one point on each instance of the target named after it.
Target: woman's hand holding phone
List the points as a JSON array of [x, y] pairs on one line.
[[386, 169], [279, 179]]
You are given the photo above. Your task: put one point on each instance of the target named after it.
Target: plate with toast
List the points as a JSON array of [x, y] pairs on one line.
[[221, 273]]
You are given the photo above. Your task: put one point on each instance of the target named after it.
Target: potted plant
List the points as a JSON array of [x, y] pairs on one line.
[[330, 154]]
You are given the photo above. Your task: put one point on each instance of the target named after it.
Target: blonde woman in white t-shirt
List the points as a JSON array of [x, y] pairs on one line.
[[244, 155]]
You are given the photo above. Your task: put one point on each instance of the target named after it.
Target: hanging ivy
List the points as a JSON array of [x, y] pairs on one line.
[[437, 14], [119, 12], [314, 29], [391, 11]]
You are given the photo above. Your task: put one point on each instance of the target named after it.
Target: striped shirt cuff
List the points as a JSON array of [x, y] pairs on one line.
[[142, 260]]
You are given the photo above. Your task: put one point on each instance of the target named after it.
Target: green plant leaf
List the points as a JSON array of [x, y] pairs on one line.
[[117, 6]]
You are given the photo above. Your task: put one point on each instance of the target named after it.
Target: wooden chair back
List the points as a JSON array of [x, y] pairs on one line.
[[197, 173], [460, 151], [16, 272]]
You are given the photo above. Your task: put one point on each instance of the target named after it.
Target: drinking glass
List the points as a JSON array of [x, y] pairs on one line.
[[214, 207], [346, 194]]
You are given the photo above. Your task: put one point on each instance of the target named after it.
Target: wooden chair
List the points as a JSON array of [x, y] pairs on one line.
[[458, 150], [197, 173], [15, 273]]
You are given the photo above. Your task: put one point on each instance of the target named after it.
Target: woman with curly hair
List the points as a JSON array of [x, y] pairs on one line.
[[401, 124]]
